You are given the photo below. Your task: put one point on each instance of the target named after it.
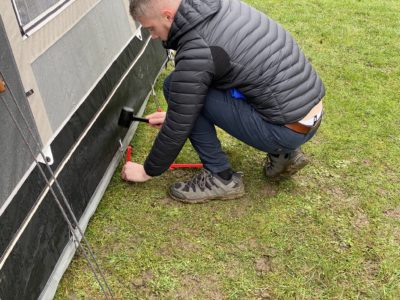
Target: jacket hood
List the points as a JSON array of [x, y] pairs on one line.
[[189, 14]]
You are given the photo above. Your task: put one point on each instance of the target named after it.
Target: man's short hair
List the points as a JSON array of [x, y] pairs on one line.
[[138, 8]]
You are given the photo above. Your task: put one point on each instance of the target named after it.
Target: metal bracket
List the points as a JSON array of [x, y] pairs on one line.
[[121, 146], [49, 156], [153, 93], [29, 93]]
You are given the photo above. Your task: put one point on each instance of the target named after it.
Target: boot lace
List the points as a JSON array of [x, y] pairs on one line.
[[201, 179]]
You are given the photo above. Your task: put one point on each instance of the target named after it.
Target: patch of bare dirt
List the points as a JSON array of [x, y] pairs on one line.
[[264, 294], [337, 192], [253, 243], [181, 244], [360, 220], [263, 265], [111, 229], [72, 296], [196, 287], [270, 190], [342, 200], [341, 241], [142, 284], [371, 269], [382, 192], [233, 269], [393, 213], [167, 201], [239, 207], [143, 280]]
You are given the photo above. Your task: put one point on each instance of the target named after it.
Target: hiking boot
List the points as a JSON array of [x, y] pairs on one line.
[[284, 165], [206, 186]]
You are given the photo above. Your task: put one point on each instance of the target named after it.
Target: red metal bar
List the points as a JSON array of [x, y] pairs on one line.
[[171, 167], [176, 166]]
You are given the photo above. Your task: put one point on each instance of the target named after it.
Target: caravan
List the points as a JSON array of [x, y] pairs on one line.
[[67, 68]]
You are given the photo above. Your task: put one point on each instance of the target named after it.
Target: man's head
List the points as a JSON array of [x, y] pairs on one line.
[[155, 15]]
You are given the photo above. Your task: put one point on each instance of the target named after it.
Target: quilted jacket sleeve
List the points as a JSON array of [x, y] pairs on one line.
[[190, 82]]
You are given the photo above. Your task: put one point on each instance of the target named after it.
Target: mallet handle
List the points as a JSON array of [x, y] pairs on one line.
[[139, 119]]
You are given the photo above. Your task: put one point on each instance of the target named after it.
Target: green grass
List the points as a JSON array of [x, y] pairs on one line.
[[331, 232]]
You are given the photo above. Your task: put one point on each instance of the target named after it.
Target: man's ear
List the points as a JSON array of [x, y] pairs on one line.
[[168, 14]]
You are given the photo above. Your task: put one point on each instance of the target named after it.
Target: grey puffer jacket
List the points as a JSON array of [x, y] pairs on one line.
[[228, 44]]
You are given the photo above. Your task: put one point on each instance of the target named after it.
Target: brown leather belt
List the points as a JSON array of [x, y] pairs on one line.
[[301, 128]]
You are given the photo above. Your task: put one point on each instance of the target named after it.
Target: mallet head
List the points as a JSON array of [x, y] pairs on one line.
[[126, 117]]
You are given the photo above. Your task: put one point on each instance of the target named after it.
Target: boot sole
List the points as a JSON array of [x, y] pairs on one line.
[[294, 168], [291, 170], [204, 200]]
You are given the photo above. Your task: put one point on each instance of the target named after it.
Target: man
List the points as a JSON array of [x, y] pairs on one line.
[[236, 69]]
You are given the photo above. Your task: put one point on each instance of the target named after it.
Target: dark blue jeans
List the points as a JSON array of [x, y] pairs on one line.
[[238, 118]]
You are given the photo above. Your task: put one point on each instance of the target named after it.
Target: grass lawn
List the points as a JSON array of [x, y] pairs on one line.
[[330, 232]]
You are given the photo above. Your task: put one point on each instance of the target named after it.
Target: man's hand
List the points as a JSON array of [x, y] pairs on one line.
[[134, 172], [156, 119]]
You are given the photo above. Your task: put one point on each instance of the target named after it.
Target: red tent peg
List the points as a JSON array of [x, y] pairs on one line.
[[128, 153]]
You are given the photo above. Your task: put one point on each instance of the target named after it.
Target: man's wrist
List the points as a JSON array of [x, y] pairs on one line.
[[147, 177]]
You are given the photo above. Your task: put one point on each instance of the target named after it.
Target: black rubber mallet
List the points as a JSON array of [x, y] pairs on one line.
[[126, 117]]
